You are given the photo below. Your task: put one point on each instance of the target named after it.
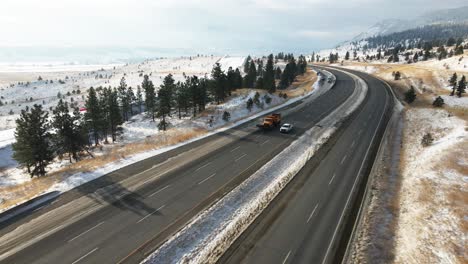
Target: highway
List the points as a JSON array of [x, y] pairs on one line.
[[123, 216], [303, 223]]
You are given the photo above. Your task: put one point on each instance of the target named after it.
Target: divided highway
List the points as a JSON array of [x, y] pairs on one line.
[[125, 215], [303, 223]]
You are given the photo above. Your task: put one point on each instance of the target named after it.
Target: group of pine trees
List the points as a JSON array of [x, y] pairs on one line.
[[458, 88], [40, 137]]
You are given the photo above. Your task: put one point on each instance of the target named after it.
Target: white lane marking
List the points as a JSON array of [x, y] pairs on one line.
[[37, 209], [354, 142], [203, 166], [151, 213], [207, 178], [86, 231], [147, 180], [160, 190], [344, 158], [334, 174], [87, 254], [257, 136], [266, 141], [312, 214], [243, 155], [236, 148], [55, 201], [287, 256]]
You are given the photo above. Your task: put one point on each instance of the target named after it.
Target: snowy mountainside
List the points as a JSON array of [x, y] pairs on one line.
[[388, 26]]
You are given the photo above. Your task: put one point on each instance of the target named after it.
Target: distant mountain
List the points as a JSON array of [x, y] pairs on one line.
[[388, 26]]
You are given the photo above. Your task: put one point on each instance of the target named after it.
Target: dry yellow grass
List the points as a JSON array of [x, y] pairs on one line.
[[302, 85]]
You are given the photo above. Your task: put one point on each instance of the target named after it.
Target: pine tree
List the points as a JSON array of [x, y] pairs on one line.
[[70, 138], [251, 77], [237, 79], [461, 86], [139, 98], [165, 100], [347, 55], [247, 64], [453, 83], [410, 95], [218, 85], [150, 96], [249, 104], [94, 115], [438, 102], [124, 98], [113, 115], [269, 76], [131, 99], [278, 73], [397, 76], [32, 147]]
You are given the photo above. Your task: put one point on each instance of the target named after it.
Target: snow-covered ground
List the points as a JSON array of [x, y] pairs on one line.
[[434, 187]]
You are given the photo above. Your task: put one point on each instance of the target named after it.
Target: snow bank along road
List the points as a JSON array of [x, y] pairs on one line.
[[308, 220], [125, 215]]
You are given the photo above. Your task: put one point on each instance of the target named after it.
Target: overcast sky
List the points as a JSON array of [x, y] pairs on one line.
[[204, 25]]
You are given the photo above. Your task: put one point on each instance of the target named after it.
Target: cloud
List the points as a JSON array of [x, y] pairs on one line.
[[198, 24]]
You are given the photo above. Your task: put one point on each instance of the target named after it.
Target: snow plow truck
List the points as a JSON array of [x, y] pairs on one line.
[[270, 121]]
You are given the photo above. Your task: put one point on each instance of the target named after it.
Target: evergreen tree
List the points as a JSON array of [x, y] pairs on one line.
[[461, 86], [397, 76], [260, 69], [150, 96], [278, 73], [249, 104], [226, 116], [124, 99], [165, 100], [453, 83], [218, 85], [247, 64], [94, 115], [131, 99], [438, 102], [32, 147], [410, 95], [231, 80], [347, 55], [139, 98], [70, 138], [459, 50], [181, 97], [269, 76], [251, 77], [237, 79]]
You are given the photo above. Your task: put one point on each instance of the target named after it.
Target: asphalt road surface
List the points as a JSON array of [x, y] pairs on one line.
[[300, 225], [125, 215]]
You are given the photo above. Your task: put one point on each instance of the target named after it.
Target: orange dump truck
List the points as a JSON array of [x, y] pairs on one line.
[[270, 121]]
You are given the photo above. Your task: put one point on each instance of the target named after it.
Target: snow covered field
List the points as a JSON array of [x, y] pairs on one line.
[[434, 189]]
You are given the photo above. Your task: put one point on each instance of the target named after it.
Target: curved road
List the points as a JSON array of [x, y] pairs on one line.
[[125, 215], [304, 222]]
